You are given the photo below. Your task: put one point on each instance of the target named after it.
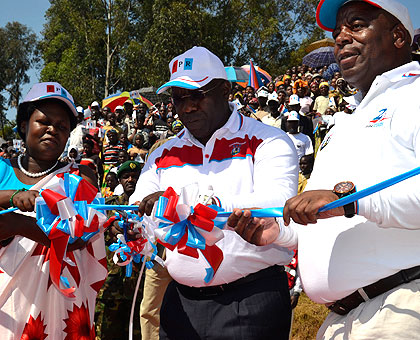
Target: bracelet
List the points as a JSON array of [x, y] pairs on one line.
[[16, 192]]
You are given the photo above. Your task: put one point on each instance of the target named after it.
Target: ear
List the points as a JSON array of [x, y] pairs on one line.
[[401, 36], [23, 127], [226, 89]]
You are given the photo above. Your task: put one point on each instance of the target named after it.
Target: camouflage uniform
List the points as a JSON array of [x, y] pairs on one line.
[[113, 304]]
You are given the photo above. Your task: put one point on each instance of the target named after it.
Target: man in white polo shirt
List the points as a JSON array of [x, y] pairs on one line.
[[246, 163], [301, 141], [366, 268]]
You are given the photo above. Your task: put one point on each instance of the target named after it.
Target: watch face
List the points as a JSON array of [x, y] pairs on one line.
[[343, 187]]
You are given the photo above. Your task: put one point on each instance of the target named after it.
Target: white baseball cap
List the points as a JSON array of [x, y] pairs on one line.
[[293, 116], [119, 107], [326, 12], [50, 90], [95, 103], [262, 93], [273, 96], [294, 100], [80, 109], [194, 69]]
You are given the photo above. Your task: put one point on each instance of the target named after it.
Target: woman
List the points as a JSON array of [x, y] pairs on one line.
[[30, 306]]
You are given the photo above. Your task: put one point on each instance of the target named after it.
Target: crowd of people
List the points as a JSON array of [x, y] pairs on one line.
[[232, 148]]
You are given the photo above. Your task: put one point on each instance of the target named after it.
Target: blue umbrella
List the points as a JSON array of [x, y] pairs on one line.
[[320, 57], [236, 74]]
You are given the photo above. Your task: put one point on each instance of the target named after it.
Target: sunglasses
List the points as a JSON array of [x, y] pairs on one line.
[[196, 96]]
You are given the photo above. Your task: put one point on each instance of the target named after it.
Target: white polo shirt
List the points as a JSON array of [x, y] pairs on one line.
[[380, 140], [248, 164], [302, 142]]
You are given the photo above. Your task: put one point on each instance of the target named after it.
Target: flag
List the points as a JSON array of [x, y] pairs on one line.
[[254, 80]]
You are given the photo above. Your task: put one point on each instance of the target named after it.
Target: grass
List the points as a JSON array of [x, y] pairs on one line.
[[308, 318]]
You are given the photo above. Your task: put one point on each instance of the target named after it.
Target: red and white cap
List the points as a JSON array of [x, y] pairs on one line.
[[326, 12], [51, 90], [194, 69], [293, 116]]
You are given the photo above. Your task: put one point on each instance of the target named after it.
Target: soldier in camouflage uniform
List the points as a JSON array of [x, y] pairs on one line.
[[113, 304]]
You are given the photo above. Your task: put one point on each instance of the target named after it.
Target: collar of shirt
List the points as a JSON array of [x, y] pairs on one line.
[[234, 124], [382, 82]]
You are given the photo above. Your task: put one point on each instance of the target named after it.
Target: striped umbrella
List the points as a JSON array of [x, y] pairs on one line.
[[115, 100], [264, 75], [255, 80]]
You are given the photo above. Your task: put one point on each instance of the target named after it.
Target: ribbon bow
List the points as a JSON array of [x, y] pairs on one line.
[[133, 251], [62, 213], [189, 229]]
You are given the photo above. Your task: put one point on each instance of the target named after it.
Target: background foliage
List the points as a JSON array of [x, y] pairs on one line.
[[95, 48]]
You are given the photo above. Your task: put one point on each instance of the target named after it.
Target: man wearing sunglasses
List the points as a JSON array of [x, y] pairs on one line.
[[237, 162]]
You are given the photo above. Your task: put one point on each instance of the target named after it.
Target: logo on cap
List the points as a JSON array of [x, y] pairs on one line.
[[132, 165], [188, 63]]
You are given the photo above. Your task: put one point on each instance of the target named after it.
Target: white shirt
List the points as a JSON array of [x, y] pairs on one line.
[[380, 140], [302, 142], [248, 164]]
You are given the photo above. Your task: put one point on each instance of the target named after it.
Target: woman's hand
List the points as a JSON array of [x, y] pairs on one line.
[[25, 200]]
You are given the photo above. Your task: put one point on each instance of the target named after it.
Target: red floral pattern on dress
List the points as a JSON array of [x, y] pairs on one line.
[[78, 325], [34, 329]]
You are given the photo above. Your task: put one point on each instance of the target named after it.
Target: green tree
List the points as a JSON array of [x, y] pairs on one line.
[[97, 47], [19, 54], [83, 44]]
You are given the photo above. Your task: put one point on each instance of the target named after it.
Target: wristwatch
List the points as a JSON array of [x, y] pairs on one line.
[[344, 189]]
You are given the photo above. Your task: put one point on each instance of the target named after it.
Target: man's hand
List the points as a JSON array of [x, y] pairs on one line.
[[146, 205], [115, 230], [257, 231], [294, 300], [303, 209]]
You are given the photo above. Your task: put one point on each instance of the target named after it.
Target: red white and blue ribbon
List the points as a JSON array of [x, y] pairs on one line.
[[62, 212], [129, 251], [189, 229]]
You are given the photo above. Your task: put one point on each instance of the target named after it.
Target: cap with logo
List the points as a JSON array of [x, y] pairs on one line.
[[48, 90], [293, 116], [263, 94], [326, 12], [273, 96], [131, 166], [294, 99], [194, 69]]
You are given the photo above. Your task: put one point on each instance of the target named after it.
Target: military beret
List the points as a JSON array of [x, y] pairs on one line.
[[128, 166]]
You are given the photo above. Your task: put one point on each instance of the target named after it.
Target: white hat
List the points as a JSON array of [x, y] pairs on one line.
[[95, 103], [194, 69], [293, 116], [273, 96], [326, 12], [294, 99], [119, 107], [50, 90], [262, 93], [80, 109]]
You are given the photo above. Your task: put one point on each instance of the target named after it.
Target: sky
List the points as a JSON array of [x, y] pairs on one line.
[[31, 13]]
